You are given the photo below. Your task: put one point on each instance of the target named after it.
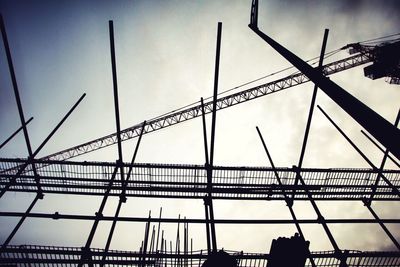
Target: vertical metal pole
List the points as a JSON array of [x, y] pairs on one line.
[[14, 134], [191, 251], [15, 85], [116, 103], [203, 115], [207, 166], [207, 226], [153, 232], [162, 241], [158, 229], [170, 248], [146, 237], [184, 244], [214, 118], [177, 234], [18, 100]]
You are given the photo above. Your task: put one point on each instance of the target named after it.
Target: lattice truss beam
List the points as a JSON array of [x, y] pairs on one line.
[[190, 181], [222, 103]]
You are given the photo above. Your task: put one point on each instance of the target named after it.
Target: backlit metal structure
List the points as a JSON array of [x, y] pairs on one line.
[[54, 175]]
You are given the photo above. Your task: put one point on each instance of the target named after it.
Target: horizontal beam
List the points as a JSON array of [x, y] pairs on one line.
[[58, 216], [190, 181]]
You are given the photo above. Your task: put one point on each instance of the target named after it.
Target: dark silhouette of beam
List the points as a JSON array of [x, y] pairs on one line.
[[15, 133], [377, 126]]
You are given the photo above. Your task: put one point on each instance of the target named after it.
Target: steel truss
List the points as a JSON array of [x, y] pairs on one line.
[[190, 181], [195, 111], [70, 256]]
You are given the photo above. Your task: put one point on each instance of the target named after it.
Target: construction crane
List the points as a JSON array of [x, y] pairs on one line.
[[192, 112], [386, 60]]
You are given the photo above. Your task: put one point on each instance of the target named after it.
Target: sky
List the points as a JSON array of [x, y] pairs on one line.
[[165, 53]]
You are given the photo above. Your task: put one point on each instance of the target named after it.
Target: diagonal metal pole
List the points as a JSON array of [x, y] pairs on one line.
[[288, 200], [14, 134], [39, 195], [394, 188], [311, 111], [332, 90], [383, 226], [380, 175], [86, 257], [41, 145], [22, 219], [380, 148], [321, 219], [122, 198], [213, 122], [368, 202], [18, 100], [22, 118], [382, 166], [381, 129]]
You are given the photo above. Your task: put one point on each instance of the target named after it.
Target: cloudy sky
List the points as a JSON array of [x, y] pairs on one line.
[[165, 60]]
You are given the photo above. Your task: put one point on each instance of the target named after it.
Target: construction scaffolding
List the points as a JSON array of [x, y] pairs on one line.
[[121, 180]]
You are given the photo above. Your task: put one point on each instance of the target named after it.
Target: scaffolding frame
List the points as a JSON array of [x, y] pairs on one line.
[[208, 182]]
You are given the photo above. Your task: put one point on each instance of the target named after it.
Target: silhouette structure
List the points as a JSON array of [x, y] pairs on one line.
[[221, 259], [288, 252], [208, 182]]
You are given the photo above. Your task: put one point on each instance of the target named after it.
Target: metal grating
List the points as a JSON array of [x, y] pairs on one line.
[[190, 181]]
